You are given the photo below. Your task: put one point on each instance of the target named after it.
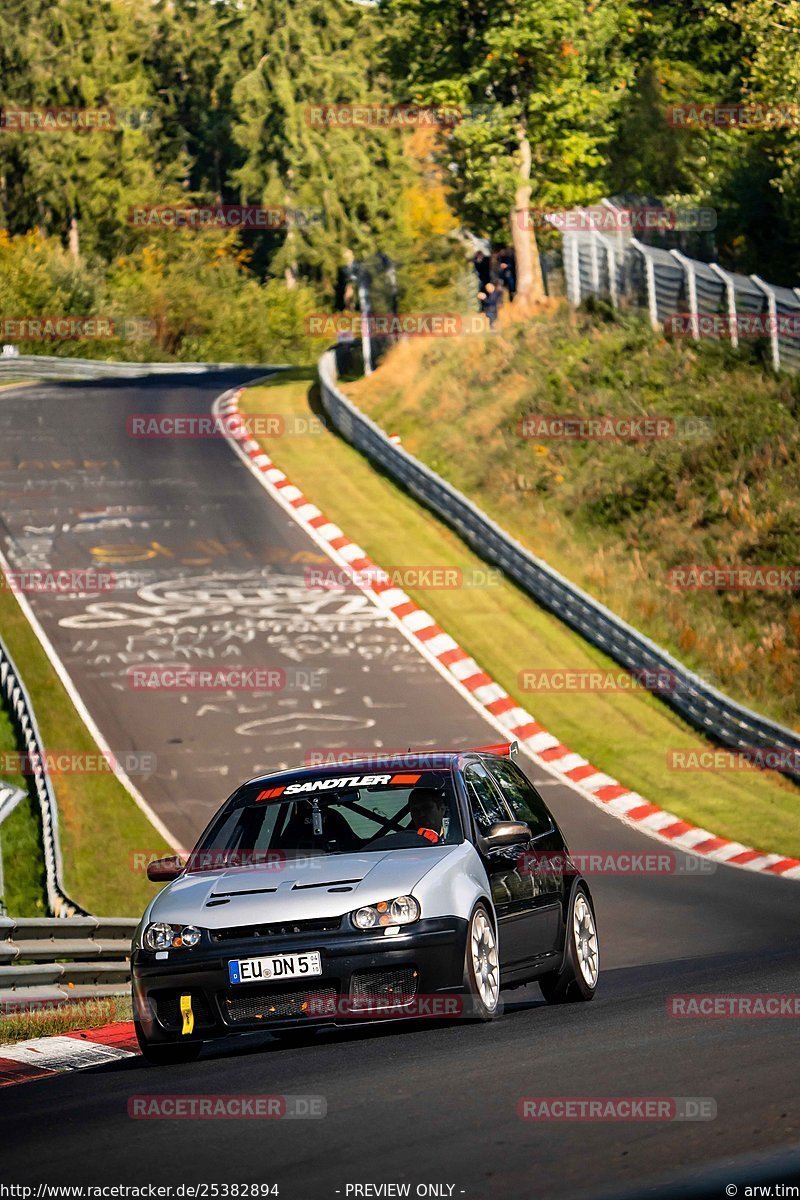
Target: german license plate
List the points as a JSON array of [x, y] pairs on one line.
[[276, 966]]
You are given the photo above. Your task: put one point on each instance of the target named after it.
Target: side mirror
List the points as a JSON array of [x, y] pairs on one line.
[[164, 869], [506, 833]]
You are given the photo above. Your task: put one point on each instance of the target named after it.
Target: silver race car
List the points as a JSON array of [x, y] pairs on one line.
[[410, 886]]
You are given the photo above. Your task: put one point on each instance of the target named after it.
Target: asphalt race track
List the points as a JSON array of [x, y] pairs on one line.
[[215, 573]]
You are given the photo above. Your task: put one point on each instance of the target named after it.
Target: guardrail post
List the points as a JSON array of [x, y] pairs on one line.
[[772, 310], [595, 262], [691, 286], [24, 718], [650, 280], [574, 272], [611, 263], [615, 209], [730, 293]]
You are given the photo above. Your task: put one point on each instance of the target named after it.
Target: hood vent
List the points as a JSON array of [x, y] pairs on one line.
[[225, 897], [330, 884]]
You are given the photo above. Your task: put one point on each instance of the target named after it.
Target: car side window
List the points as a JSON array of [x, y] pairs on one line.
[[521, 796], [487, 807]]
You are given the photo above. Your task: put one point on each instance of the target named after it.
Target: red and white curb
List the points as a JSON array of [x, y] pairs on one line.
[[39, 1058], [482, 692]]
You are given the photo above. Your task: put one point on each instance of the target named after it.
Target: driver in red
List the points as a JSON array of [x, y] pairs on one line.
[[427, 814]]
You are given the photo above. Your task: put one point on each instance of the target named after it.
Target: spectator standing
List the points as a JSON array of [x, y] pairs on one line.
[[483, 268], [491, 298], [507, 274]]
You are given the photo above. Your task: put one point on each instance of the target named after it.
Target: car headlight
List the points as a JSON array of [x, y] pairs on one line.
[[161, 936], [401, 911]]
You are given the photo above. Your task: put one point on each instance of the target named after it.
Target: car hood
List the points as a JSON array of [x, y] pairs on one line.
[[324, 886]]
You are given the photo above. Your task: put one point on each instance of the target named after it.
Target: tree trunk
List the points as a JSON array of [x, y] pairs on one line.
[[530, 285], [74, 238], [290, 270]]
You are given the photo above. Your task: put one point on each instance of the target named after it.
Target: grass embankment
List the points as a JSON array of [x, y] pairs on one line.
[[23, 891], [628, 734], [616, 517], [63, 1018], [100, 824]]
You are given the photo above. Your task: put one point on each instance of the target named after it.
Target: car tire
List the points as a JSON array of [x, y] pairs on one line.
[[482, 966], [165, 1054], [577, 979]]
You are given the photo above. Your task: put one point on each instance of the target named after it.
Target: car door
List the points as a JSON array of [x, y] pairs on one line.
[[511, 886], [543, 860]]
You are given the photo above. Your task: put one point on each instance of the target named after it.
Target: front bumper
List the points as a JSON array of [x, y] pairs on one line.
[[364, 976]]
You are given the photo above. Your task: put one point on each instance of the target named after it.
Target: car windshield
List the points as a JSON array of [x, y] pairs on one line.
[[341, 814]]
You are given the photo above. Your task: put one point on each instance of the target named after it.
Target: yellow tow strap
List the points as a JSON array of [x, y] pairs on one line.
[[188, 1015]]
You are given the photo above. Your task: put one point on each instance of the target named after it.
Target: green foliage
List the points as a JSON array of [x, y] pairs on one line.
[[224, 93], [556, 71], [289, 59], [188, 298], [23, 891]]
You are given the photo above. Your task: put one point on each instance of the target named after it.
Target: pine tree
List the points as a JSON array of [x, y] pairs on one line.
[[78, 184], [289, 60]]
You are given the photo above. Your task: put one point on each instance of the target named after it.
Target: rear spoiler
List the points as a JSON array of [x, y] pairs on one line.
[[503, 749]]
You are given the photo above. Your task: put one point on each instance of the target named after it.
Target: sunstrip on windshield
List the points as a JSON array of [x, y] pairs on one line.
[[325, 785]]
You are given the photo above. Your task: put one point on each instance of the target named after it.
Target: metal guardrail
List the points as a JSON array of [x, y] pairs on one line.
[[10, 797], [47, 367], [46, 960], [52, 367], [22, 716], [716, 715], [713, 302]]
